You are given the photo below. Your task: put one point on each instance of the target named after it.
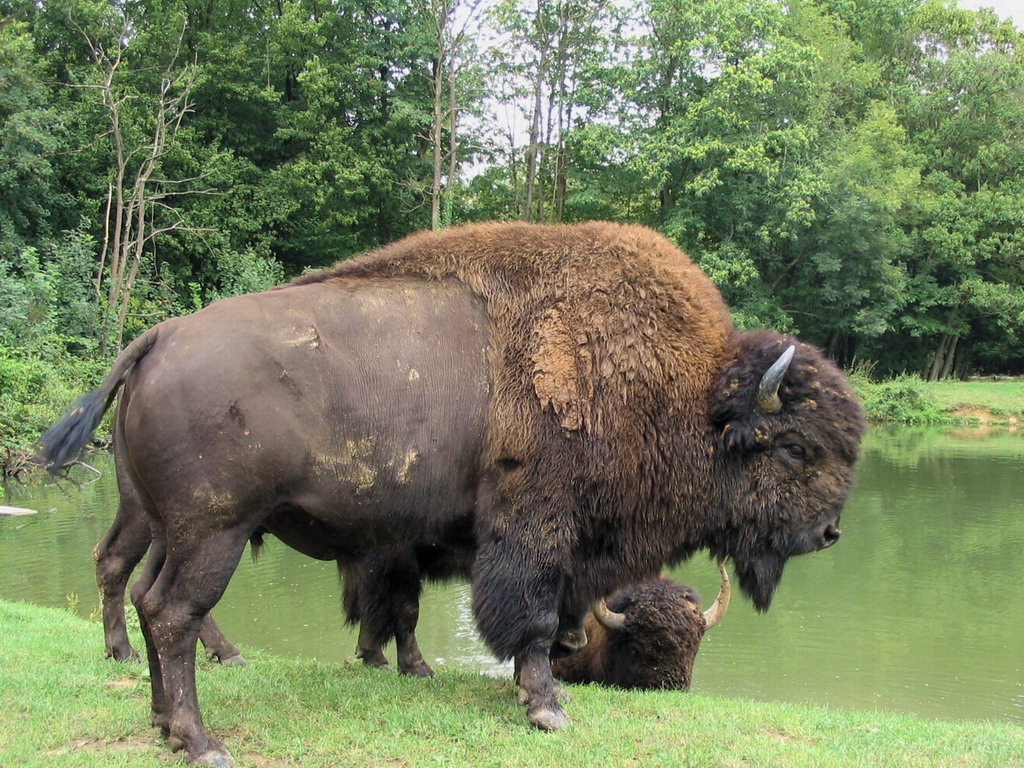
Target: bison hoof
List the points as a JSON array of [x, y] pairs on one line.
[[422, 669], [238, 660], [548, 718], [214, 757], [130, 656], [162, 721], [560, 694], [373, 659]]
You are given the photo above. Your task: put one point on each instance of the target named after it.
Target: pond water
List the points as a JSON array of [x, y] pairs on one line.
[[919, 609]]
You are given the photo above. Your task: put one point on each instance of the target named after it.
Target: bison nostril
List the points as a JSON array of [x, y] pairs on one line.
[[830, 535]]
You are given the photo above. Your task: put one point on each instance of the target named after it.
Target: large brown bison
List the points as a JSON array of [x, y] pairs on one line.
[[644, 636], [577, 395]]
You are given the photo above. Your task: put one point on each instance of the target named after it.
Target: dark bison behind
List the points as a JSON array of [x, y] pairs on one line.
[[578, 395], [645, 636]]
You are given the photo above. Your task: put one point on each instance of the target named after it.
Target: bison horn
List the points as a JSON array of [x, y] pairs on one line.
[[714, 614], [768, 389], [608, 618]]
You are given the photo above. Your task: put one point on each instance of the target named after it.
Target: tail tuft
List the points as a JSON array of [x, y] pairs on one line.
[[64, 440]]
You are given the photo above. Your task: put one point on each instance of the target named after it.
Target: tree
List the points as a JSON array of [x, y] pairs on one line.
[[544, 49], [963, 104], [449, 22], [143, 127], [31, 130]]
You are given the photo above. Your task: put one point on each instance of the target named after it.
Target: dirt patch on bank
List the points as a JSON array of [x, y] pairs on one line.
[[981, 417], [976, 413]]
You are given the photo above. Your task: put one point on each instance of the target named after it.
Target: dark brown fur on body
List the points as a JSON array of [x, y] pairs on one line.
[[580, 389], [655, 649]]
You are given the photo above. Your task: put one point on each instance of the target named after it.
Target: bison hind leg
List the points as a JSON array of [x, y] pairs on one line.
[[173, 596], [115, 556]]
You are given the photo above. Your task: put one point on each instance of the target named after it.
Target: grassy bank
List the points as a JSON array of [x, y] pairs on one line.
[[62, 704], [913, 401]]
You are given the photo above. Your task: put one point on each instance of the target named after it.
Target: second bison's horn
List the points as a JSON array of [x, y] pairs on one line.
[[768, 389], [714, 614], [608, 618]]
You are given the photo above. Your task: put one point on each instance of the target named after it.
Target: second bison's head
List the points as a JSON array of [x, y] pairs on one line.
[[787, 429], [644, 636]]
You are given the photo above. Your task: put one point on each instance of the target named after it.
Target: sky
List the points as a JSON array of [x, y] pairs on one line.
[[1013, 9]]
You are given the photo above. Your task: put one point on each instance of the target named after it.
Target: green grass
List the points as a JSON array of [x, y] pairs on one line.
[[910, 400], [63, 705], [993, 401]]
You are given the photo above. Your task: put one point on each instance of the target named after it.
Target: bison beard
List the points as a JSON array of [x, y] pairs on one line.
[[579, 392]]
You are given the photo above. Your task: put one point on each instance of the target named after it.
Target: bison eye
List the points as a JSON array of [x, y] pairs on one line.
[[795, 451]]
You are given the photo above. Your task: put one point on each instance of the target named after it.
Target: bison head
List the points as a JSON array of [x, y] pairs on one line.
[[645, 636], [788, 429]]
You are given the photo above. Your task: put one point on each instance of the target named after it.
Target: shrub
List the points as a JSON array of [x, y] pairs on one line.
[[38, 384], [903, 399]]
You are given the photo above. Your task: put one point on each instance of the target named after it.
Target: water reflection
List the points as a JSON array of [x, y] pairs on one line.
[[918, 609]]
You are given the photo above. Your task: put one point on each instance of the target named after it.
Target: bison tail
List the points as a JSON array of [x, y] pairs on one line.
[[65, 439]]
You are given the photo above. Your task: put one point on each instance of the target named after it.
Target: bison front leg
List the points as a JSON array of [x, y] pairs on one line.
[[515, 599], [539, 692]]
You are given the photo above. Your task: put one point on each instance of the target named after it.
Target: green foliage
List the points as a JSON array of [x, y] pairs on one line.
[[38, 383], [30, 128], [905, 399], [850, 171]]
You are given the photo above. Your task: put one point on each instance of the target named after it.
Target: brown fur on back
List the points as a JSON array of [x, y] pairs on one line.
[[576, 308]]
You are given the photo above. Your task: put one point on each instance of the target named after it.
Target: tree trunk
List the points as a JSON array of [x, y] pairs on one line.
[[435, 134], [533, 150], [947, 366], [938, 358], [962, 367], [564, 120], [453, 143], [133, 194]]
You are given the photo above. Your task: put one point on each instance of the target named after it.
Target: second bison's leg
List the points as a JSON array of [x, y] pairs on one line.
[[373, 633], [192, 578], [405, 585], [515, 599]]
